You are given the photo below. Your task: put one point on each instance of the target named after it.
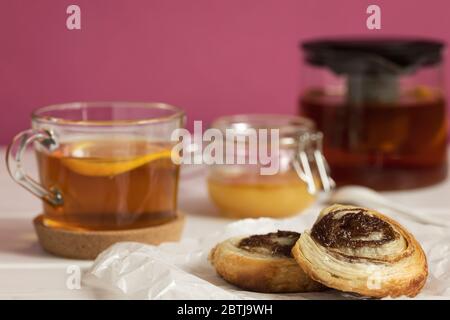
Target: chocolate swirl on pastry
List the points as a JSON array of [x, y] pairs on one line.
[[278, 243], [262, 263], [353, 228], [362, 251]]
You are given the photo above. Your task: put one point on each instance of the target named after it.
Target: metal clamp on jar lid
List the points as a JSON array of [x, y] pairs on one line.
[[310, 152]]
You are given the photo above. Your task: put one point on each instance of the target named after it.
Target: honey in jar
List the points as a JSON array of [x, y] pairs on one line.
[[252, 195]]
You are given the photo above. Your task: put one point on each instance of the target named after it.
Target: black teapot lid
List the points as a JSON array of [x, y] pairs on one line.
[[373, 56]]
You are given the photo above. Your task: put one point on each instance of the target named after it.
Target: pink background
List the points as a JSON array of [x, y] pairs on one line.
[[210, 57]]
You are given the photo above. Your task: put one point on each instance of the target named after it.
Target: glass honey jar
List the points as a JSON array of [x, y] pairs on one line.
[[241, 189]]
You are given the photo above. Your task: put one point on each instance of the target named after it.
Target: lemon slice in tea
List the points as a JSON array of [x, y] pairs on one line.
[[105, 159]]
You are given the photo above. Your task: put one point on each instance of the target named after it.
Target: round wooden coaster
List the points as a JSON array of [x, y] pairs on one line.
[[77, 244]]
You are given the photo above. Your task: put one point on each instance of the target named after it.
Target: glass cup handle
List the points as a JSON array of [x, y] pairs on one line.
[[14, 163]]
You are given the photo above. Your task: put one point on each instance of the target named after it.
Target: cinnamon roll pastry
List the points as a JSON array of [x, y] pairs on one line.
[[359, 250], [262, 263]]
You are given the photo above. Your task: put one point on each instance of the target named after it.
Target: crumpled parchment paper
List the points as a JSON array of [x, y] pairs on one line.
[[182, 271]]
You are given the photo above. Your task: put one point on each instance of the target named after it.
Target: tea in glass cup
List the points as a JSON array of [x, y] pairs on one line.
[[103, 166]]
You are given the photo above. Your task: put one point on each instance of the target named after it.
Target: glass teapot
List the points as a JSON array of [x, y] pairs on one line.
[[381, 107]]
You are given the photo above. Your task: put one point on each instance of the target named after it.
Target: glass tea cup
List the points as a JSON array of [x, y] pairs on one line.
[[102, 166]]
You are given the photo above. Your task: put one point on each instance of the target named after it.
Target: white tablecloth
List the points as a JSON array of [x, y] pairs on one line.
[[27, 272]]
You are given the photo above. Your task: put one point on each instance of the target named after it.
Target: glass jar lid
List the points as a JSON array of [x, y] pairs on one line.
[[290, 127]]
